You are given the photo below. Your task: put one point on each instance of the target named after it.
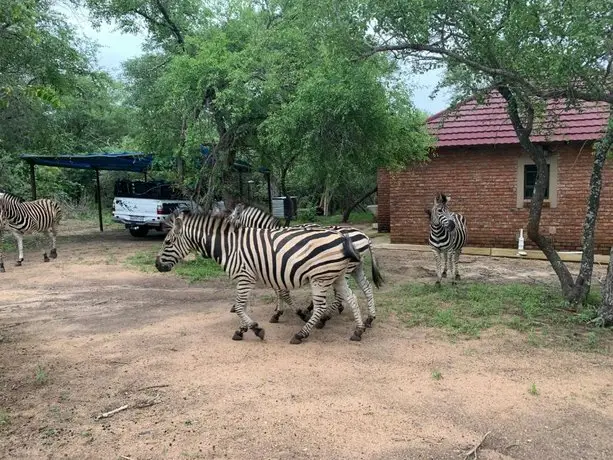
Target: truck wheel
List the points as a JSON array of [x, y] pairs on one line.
[[139, 231]]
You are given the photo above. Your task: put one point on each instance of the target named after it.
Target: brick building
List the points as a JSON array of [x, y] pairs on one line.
[[480, 165]]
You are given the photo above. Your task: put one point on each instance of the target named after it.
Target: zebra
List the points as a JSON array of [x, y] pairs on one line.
[[447, 237], [280, 259], [251, 216], [23, 217]]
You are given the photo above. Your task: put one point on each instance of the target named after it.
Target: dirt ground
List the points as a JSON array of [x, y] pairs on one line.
[[87, 333]]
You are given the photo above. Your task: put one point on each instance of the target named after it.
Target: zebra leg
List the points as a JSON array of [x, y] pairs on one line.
[[456, 261], [282, 297], [45, 258], [327, 314], [19, 239], [437, 258], [349, 297], [319, 291], [243, 289], [53, 252], [360, 277], [445, 257]]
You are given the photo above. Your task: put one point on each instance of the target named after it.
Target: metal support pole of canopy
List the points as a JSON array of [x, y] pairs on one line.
[[99, 198], [269, 193], [33, 180]]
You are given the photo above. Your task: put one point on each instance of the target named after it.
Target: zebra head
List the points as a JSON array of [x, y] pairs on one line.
[[235, 216], [440, 216], [176, 245]]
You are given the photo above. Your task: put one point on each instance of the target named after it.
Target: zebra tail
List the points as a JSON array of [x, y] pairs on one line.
[[350, 250], [376, 274]]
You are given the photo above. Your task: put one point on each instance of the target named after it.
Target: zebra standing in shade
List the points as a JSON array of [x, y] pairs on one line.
[[254, 217], [23, 217], [447, 237], [280, 259]]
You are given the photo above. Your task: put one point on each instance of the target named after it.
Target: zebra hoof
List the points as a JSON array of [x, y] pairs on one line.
[[45, 258], [53, 253], [274, 319], [304, 316], [322, 322], [238, 335], [356, 337], [437, 284], [259, 332], [444, 275], [369, 320], [2, 270], [233, 309], [18, 263], [457, 276], [296, 339]]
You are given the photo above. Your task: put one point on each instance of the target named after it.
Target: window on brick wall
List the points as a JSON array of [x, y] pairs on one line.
[[526, 177], [530, 180]]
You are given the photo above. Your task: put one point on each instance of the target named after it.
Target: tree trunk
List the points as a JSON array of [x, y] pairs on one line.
[[605, 312], [575, 291], [355, 204], [539, 156], [583, 283]]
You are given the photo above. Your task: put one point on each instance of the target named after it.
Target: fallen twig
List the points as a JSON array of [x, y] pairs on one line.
[[112, 412], [125, 458], [473, 451], [145, 404], [153, 386]]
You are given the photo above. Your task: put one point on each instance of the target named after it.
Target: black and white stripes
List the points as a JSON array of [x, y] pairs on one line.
[[447, 237], [22, 217], [281, 259], [250, 216]]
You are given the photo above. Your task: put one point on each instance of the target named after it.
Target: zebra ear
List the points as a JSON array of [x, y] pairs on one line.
[[178, 225]]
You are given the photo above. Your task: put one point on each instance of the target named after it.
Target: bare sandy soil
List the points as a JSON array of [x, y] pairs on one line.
[[87, 333]]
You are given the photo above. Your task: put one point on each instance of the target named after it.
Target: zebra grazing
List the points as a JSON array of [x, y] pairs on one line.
[[22, 217], [250, 216], [447, 237], [280, 259]]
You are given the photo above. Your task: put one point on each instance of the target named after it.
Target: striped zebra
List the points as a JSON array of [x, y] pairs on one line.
[[280, 259], [447, 237], [251, 216], [23, 217]]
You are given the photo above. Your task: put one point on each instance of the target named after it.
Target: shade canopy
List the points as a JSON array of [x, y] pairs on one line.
[[117, 161]]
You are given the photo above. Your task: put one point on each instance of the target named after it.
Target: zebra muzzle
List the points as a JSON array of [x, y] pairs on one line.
[[161, 266]]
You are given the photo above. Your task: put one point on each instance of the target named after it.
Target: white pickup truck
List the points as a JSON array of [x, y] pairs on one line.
[[142, 206]]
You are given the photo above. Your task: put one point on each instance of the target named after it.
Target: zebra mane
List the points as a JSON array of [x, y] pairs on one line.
[[211, 215], [7, 195]]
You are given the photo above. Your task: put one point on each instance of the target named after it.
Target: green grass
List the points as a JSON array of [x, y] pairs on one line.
[[436, 375], [5, 419], [468, 309], [41, 376], [533, 390], [200, 269]]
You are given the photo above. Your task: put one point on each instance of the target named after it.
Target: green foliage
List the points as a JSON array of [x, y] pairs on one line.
[[436, 375], [533, 390], [469, 308], [534, 47]]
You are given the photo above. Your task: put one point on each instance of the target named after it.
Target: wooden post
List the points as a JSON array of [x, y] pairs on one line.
[[99, 198], [33, 180]]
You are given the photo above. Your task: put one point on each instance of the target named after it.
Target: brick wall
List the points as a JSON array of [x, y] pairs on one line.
[[383, 200], [482, 185]]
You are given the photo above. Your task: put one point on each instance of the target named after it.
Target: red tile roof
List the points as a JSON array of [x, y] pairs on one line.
[[471, 123]]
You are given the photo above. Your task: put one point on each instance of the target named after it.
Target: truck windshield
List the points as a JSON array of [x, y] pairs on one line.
[[158, 190]]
